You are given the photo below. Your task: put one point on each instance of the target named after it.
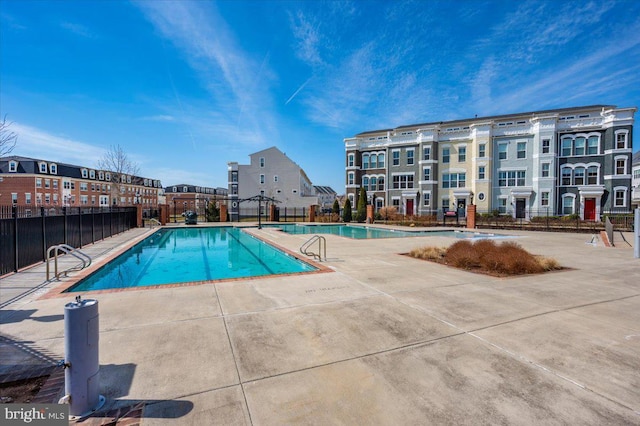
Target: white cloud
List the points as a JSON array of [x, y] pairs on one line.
[[161, 117], [307, 37], [36, 143], [238, 83], [77, 29]]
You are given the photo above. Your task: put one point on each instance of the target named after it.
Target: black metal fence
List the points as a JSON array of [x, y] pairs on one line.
[[525, 219], [283, 214], [26, 233]]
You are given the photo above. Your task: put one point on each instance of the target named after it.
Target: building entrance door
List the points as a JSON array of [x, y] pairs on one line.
[[590, 209], [462, 208], [409, 210], [520, 208]]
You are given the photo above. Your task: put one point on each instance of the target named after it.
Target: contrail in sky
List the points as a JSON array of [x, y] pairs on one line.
[[298, 91]]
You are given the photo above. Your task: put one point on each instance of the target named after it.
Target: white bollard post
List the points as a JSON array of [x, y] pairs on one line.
[[82, 365]]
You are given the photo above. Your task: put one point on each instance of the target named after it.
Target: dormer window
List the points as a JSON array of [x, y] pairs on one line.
[[84, 173], [175, 189], [13, 166], [43, 167], [108, 177], [128, 179], [101, 175], [185, 189], [92, 174]]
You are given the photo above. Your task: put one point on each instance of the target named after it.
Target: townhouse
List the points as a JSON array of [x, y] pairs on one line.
[[553, 162], [635, 181], [41, 183], [270, 174]]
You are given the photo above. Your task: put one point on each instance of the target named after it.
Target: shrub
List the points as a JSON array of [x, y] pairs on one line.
[[510, 258], [428, 253], [335, 209], [507, 258], [461, 254], [548, 264], [389, 213], [346, 213], [361, 211]]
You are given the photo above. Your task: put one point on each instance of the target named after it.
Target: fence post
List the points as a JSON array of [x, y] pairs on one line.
[[93, 226], [65, 225], [636, 232], [14, 212], [80, 225], [44, 235]]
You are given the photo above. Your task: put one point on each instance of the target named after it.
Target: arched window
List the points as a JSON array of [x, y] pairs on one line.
[[381, 183], [373, 183], [365, 161], [374, 161], [381, 160], [365, 182]]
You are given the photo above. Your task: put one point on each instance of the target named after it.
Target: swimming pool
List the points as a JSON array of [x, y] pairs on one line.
[[192, 254], [365, 232]]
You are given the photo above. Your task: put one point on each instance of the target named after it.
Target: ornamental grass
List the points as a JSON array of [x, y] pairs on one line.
[[507, 258]]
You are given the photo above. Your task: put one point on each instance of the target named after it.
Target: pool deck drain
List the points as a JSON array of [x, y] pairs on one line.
[[383, 339]]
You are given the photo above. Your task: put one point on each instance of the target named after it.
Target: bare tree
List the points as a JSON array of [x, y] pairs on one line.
[[121, 169], [8, 138]]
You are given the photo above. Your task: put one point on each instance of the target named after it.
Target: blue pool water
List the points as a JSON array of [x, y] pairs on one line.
[[364, 232], [192, 254]]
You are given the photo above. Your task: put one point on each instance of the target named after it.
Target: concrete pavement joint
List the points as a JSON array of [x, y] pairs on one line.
[[233, 354]]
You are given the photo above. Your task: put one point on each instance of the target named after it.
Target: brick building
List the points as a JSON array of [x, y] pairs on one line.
[[184, 197], [42, 183]]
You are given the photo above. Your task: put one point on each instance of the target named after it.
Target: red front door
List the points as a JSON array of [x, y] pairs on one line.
[[590, 209], [409, 207]]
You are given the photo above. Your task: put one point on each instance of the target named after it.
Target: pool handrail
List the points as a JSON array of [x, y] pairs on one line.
[[322, 247], [66, 249]]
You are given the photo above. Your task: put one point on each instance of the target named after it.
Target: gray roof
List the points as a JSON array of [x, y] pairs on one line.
[[324, 190], [493, 117], [636, 158]]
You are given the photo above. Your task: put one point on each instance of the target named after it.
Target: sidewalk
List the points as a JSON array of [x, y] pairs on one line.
[[384, 339]]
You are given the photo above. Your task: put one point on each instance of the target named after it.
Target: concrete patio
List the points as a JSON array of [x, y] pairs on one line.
[[381, 339]]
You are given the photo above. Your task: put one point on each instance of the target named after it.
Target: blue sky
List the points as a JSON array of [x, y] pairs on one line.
[[185, 87]]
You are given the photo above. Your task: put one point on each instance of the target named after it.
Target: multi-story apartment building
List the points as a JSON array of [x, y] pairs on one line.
[[635, 181], [562, 161], [191, 197], [271, 174], [41, 183]]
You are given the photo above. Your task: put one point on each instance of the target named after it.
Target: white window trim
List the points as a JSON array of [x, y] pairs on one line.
[[573, 206], [13, 166], [626, 138], [393, 151], [620, 188], [53, 168], [506, 145], [615, 167]]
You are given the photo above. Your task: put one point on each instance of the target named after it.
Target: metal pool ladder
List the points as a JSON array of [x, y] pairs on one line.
[[84, 258], [153, 222], [322, 247]]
